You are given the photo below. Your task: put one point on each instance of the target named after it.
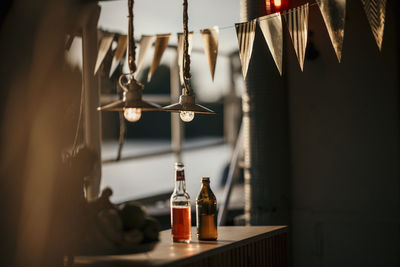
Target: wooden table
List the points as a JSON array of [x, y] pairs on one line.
[[236, 246]]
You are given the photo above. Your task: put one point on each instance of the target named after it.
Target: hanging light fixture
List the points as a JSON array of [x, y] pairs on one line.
[[187, 106], [131, 103]]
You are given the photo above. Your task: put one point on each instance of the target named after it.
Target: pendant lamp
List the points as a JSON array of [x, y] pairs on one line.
[[187, 106], [131, 103]]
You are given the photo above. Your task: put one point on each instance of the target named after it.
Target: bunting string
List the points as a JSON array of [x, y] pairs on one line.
[[270, 16], [333, 13]]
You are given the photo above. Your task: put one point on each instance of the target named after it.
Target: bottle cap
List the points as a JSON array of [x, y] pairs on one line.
[[179, 164], [205, 179]]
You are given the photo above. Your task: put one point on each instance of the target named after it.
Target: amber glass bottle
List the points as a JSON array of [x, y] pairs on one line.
[[180, 208], [206, 212]]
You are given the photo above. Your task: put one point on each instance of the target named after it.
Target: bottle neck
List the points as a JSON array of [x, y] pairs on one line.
[[180, 186], [205, 185], [180, 183], [205, 191]]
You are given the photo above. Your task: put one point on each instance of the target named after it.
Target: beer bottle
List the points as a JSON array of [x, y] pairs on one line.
[[206, 211], [180, 208]]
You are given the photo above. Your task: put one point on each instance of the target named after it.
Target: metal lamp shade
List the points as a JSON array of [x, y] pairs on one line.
[[120, 105], [187, 103], [132, 97]]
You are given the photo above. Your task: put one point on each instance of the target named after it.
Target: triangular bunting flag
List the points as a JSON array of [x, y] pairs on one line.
[[375, 10], [119, 53], [297, 22], [245, 34], [145, 43], [159, 48], [210, 40], [181, 40], [334, 13], [271, 27], [105, 45]]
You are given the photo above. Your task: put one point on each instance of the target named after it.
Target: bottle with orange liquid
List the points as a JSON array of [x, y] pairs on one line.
[[206, 212], [180, 208]]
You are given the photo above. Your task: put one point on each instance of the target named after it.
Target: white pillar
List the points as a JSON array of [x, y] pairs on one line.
[[266, 133]]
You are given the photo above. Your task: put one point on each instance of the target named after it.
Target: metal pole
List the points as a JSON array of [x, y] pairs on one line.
[[92, 118], [231, 106], [232, 177]]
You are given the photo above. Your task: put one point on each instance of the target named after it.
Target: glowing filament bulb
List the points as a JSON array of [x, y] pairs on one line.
[[132, 114], [187, 116]]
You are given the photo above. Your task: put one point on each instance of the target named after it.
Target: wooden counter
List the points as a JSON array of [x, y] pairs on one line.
[[236, 246]]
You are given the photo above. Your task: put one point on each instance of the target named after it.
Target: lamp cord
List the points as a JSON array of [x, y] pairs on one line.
[[186, 59], [122, 135], [131, 39], [132, 68]]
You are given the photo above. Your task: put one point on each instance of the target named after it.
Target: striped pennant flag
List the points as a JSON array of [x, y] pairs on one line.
[[245, 33], [297, 22], [375, 10], [334, 13], [271, 27]]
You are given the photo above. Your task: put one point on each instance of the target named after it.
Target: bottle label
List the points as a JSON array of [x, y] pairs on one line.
[[180, 175]]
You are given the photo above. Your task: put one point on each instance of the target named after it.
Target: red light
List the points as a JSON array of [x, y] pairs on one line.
[[273, 6]]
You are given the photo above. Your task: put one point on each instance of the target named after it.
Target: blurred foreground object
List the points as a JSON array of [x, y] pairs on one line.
[[111, 229], [42, 200]]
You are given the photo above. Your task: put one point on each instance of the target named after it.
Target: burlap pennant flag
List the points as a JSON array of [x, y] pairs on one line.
[[375, 10], [159, 48], [146, 41], [119, 53], [271, 27], [105, 45], [245, 33], [181, 40], [210, 39], [334, 13], [297, 23]]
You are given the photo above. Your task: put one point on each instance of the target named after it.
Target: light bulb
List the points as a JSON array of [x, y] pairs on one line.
[[132, 114], [187, 116]]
